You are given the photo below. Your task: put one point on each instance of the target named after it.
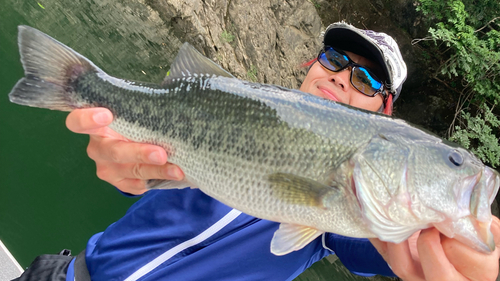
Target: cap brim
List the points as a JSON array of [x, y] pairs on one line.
[[350, 40]]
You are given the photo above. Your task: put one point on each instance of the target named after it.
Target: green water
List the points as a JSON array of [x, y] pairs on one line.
[[50, 198]]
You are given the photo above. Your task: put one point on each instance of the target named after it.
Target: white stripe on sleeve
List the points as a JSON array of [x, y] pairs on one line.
[[216, 227]]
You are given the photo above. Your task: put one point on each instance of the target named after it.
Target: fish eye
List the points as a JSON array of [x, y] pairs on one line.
[[456, 158]]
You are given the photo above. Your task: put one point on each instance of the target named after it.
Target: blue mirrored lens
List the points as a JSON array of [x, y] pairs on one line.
[[333, 60], [361, 78], [364, 81]]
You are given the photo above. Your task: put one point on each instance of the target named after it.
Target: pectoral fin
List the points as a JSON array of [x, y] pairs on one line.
[[303, 191], [290, 237]]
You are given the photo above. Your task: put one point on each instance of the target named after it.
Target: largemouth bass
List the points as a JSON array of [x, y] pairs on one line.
[[278, 154]]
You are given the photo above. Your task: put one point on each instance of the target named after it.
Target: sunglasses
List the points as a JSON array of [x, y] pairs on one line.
[[362, 79]]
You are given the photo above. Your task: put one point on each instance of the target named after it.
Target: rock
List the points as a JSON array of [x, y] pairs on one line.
[[265, 41]]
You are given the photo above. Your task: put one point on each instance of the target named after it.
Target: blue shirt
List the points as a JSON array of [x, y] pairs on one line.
[[187, 235]]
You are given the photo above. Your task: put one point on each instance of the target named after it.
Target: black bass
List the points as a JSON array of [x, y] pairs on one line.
[[311, 164]]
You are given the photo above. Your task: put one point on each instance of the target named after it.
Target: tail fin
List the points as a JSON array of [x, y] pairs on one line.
[[50, 68]]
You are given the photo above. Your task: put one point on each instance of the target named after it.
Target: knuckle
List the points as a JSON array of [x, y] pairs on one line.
[[137, 171]]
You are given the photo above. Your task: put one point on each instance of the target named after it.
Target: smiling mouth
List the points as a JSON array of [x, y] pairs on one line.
[[328, 95]]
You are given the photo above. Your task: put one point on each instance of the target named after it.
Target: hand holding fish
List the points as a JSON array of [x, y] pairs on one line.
[[120, 162], [429, 255]]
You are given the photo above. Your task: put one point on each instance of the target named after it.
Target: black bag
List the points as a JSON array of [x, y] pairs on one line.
[[48, 268], [54, 268]]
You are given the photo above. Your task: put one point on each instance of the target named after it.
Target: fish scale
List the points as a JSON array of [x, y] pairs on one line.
[[311, 164], [241, 144]]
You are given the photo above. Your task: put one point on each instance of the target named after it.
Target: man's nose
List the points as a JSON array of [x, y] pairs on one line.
[[342, 78]]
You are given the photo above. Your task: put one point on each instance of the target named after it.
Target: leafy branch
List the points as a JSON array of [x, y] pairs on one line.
[[467, 38]]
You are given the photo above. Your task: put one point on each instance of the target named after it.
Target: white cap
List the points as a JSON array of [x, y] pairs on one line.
[[376, 46]]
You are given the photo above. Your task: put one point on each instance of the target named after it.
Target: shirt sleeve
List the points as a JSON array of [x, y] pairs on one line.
[[358, 255]]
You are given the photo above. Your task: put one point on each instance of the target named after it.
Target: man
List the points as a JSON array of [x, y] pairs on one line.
[[186, 235]]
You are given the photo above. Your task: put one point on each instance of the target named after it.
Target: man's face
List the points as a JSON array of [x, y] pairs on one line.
[[337, 86]]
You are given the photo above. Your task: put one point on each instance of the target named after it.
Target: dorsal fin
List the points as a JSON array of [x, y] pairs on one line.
[[189, 62]]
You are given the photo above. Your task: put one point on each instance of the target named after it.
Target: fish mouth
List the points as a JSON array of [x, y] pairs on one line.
[[484, 232], [483, 194], [482, 197], [469, 231], [474, 229]]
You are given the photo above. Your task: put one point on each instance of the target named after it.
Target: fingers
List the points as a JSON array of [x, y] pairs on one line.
[[402, 263], [120, 162], [92, 121], [131, 186], [119, 151], [495, 229], [441, 258], [435, 263], [380, 246], [115, 173], [127, 165], [131, 178], [400, 259], [83, 120], [412, 243], [473, 264]]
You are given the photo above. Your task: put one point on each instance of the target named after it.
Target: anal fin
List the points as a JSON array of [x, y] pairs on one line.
[[291, 237]]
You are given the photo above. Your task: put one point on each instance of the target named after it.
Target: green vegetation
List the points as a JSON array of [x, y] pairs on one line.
[[466, 34], [227, 37], [252, 73], [479, 131], [315, 3]]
